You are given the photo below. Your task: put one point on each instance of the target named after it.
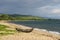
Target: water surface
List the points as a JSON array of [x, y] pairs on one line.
[[50, 25]]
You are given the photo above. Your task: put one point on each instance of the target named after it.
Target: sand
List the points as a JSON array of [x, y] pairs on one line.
[[34, 35]]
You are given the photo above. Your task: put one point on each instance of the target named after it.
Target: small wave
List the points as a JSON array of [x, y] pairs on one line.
[[40, 29], [54, 32]]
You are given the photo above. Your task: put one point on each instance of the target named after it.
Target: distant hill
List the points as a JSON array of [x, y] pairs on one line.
[[19, 17]]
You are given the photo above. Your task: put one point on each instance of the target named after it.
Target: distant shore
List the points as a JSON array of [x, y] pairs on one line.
[[36, 34]]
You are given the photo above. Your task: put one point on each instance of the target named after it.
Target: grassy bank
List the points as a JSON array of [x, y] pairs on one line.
[[5, 30]]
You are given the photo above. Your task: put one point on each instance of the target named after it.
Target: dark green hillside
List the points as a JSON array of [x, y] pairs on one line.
[[19, 17]]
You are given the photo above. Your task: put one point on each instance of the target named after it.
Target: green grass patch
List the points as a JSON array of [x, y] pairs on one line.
[[4, 31]]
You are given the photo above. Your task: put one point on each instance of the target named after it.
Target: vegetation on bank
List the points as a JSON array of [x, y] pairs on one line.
[[19, 17], [5, 30]]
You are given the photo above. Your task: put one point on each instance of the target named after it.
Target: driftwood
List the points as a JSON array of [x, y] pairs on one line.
[[24, 30]]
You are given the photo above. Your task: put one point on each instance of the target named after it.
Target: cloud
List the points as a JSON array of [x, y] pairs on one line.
[[56, 0], [49, 11], [11, 0], [31, 1], [23, 1], [44, 8], [55, 10]]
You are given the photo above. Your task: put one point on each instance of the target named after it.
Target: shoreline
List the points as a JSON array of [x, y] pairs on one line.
[[35, 30], [53, 32]]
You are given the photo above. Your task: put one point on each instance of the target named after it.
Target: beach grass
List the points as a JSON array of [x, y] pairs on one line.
[[5, 30]]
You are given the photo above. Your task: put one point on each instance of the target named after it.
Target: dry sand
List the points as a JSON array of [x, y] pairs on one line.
[[34, 35]]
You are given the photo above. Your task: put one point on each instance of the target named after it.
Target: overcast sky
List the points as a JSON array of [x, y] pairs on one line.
[[43, 8]]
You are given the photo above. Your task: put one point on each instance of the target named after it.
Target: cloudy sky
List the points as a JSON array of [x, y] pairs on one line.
[[43, 8]]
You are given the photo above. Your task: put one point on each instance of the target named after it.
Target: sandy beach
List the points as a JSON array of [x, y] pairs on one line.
[[34, 35]]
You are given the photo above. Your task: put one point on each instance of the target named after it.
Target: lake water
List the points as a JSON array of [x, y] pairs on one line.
[[51, 25]]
